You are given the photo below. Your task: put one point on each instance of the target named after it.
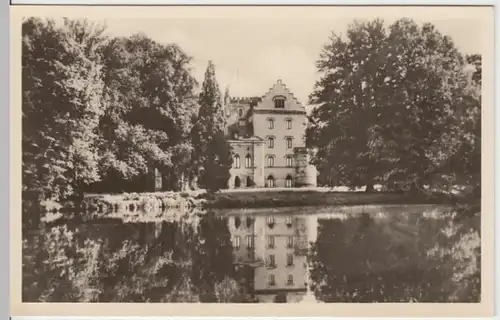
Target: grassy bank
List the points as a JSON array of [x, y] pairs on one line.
[[292, 198]]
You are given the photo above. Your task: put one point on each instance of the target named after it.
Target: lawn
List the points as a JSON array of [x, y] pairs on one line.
[[260, 198]]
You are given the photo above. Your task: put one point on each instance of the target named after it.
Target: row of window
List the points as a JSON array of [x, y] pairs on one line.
[[236, 161], [271, 221], [269, 161], [271, 260], [238, 222], [271, 183], [289, 142], [272, 280], [270, 242], [237, 242], [270, 123]]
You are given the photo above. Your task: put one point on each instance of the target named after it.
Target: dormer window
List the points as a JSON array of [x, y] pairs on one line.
[[279, 102]]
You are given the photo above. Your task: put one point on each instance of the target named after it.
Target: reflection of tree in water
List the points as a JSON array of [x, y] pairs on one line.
[[130, 262], [394, 259]]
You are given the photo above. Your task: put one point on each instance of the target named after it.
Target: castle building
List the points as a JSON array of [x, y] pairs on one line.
[[267, 136]]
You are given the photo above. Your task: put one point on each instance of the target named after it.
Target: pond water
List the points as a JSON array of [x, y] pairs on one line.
[[394, 253]]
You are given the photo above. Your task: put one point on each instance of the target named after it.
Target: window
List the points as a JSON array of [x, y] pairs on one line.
[[289, 259], [271, 261], [288, 182], [270, 162], [248, 161], [270, 123], [290, 279], [289, 124], [249, 242], [236, 161], [289, 143], [289, 161], [272, 280], [288, 221], [237, 222], [270, 242], [236, 242], [270, 180], [270, 142], [249, 222], [271, 221], [240, 112], [289, 242], [279, 103]]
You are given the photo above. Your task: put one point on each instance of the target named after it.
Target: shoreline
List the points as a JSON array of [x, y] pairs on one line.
[[297, 198], [238, 199]]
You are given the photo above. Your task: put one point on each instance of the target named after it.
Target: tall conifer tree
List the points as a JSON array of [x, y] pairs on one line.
[[213, 154]]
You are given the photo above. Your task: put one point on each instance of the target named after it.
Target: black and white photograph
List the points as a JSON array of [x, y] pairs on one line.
[[270, 156]]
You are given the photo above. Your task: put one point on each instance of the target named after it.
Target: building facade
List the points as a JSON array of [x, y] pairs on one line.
[[267, 136]]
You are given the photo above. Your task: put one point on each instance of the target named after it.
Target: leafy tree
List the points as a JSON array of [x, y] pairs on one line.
[[149, 90], [390, 106], [466, 161], [430, 85], [61, 106], [212, 154], [349, 95]]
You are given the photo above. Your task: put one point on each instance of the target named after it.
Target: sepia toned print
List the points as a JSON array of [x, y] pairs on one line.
[[325, 161]]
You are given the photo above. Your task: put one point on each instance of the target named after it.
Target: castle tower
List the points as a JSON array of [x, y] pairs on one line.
[[306, 175]]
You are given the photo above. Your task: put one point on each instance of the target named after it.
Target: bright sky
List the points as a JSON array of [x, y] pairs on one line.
[[250, 54]]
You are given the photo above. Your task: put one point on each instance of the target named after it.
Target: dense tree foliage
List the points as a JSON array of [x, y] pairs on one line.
[[102, 114], [150, 103], [395, 106], [61, 107]]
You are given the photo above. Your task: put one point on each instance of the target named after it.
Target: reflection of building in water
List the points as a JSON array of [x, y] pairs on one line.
[[242, 235], [276, 246]]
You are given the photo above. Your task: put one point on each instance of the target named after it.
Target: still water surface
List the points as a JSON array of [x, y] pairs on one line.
[[302, 254]]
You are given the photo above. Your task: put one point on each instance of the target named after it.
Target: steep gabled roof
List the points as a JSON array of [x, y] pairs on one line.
[[279, 89]]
